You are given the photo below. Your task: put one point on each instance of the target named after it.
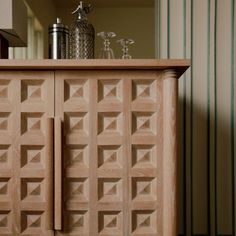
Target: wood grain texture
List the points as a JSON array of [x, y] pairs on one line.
[[170, 97]]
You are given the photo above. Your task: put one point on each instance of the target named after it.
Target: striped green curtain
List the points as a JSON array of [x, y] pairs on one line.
[[204, 30]]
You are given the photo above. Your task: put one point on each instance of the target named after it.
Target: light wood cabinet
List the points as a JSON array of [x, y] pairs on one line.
[[88, 147]]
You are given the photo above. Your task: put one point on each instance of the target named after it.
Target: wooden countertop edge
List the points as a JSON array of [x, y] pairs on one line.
[[96, 64]]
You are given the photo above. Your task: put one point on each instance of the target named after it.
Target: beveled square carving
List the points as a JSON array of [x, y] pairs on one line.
[[77, 222], [144, 222], [144, 90], [144, 123], [77, 123], [5, 156], [76, 89], [32, 156], [32, 222], [5, 189], [109, 189], [5, 222], [4, 90], [110, 123], [32, 189], [32, 90], [110, 90], [110, 157], [144, 156], [144, 189], [77, 189], [110, 222], [77, 156], [5, 121], [32, 122]]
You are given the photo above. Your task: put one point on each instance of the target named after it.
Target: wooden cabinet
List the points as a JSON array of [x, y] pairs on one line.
[[88, 147]]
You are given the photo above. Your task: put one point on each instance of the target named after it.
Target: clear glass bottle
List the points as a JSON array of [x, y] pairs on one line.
[[81, 34]]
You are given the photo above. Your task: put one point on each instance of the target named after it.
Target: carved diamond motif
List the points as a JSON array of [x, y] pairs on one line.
[[77, 156], [77, 189], [31, 221], [32, 190], [144, 90], [144, 222], [144, 156], [110, 222], [5, 223], [31, 122], [32, 157], [4, 85], [143, 189], [32, 90], [110, 157], [109, 189], [110, 123], [77, 122], [4, 189], [110, 90], [78, 221], [4, 121], [144, 123], [76, 90], [5, 156]]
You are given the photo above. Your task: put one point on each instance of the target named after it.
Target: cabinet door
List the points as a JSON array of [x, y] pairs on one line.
[[112, 152], [26, 101]]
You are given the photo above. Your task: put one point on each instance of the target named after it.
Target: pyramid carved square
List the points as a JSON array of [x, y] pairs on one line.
[[110, 123], [32, 90], [32, 190], [77, 123], [109, 189], [144, 123], [5, 223], [144, 90], [5, 189], [77, 156], [144, 189], [32, 122], [144, 222], [32, 156], [4, 90], [77, 190], [77, 222], [5, 156], [32, 222], [76, 89], [144, 156], [5, 121], [110, 157], [110, 90], [110, 222]]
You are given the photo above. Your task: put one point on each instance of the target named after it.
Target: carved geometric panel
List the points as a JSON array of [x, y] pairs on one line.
[[144, 123], [77, 122], [32, 122], [144, 222], [5, 189], [32, 222], [110, 157], [77, 222], [32, 157], [5, 223], [109, 189], [77, 156], [144, 90], [32, 90], [110, 222], [76, 90], [110, 123], [5, 156], [4, 90], [77, 190], [32, 190], [5, 121], [143, 189], [110, 90], [144, 156]]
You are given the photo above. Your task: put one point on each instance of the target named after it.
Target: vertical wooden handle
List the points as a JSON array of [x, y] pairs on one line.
[[49, 173], [58, 174]]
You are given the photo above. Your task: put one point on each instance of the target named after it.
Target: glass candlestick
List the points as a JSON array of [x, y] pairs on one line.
[[125, 44]]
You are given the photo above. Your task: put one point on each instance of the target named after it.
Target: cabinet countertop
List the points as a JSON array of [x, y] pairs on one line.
[[96, 64]]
